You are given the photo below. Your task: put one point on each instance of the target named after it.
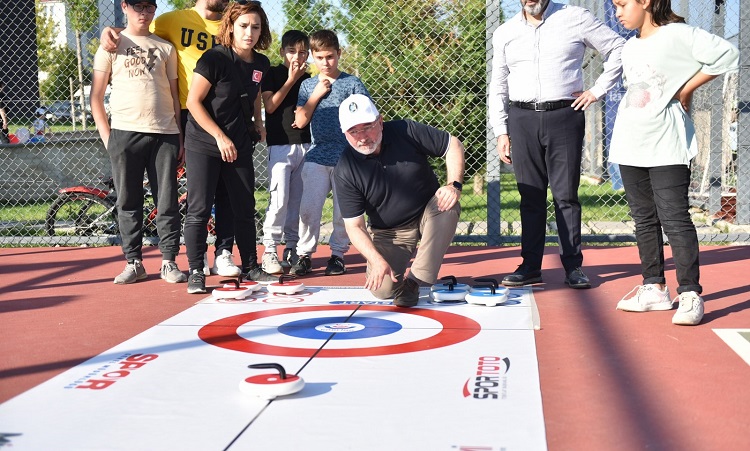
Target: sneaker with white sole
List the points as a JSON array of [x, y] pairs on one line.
[[196, 282], [224, 265], [171, 273], [133, 272], [335, 266], [646, 298], [271, 263], [690, 311], [302, 266]]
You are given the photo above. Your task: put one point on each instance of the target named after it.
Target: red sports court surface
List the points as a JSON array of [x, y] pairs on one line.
[[609, 379]]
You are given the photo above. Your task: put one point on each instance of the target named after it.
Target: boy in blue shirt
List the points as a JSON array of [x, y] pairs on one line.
[[318, 105]]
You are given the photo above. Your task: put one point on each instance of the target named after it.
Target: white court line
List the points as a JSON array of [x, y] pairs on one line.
[[738, 340]]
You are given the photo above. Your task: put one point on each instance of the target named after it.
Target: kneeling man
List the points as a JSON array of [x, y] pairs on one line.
[[385, 173]]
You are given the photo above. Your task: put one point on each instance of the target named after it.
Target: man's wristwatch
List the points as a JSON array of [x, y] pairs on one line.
[[458, 185]]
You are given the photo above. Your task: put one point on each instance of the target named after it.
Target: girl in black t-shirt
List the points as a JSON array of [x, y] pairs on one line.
[[220, 135]]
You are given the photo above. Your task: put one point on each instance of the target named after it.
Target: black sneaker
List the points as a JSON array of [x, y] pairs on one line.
[[302, 267], [257, 274], [336, 266], [289, 258], [196, 282]]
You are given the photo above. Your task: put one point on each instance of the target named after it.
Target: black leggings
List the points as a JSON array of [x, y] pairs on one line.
[[204, 174]]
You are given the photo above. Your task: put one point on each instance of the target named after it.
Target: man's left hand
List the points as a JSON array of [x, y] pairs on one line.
[[583, 100], [447, 197]]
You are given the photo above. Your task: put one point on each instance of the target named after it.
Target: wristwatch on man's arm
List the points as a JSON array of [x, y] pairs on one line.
[[458, 185]]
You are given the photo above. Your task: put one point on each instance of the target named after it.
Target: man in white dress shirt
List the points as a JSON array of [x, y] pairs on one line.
[[537, 99]]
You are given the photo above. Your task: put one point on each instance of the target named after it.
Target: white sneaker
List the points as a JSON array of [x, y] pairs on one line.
[[271, 263], [646, 298], [224, 265], [206, 268], [690, 311]]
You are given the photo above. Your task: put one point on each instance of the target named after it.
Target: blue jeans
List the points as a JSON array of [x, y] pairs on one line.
[[658, 200]]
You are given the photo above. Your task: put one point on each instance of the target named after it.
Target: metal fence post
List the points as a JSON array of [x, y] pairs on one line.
[[716, 121], [743, 121], [493, 160]]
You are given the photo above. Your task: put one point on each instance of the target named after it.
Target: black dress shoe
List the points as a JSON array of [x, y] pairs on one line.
[[577, 279], [524, 275]]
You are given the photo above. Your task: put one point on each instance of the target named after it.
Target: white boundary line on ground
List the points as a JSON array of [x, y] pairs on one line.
[[738, 340]]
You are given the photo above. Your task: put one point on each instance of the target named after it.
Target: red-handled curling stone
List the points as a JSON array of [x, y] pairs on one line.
[[231, 289], [270, 385], [447, 292], [490, 294], [284, 287]]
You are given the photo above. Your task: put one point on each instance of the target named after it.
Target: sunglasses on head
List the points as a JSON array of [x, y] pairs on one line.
[[248, 2]]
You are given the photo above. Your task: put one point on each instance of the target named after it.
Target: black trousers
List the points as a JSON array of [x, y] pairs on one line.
[[658, 200], [205, 174], [224, 217], [130, 153], [546, 150]]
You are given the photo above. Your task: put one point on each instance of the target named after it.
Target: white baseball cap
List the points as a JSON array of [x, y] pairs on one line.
[[357, 109]]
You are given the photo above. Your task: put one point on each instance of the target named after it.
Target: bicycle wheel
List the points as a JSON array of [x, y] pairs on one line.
[[82, 214]]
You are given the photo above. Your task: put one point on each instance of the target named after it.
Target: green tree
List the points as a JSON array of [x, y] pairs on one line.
[[45, 39], [83, 15], [307, 15], [422, 60], [181, 4]]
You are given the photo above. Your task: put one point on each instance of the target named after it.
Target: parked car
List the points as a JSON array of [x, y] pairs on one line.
[[59, 111]]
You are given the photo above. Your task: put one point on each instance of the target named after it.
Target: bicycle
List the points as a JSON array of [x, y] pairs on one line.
[[89, 211]]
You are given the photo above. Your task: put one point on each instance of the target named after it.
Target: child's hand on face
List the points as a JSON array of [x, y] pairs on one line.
[[296, 70]]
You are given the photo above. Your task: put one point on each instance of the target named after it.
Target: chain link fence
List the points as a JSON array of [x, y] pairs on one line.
[[427, 60]]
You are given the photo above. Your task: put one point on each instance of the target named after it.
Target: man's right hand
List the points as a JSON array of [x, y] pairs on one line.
[[503, 148], [110, 39], [378, 269]]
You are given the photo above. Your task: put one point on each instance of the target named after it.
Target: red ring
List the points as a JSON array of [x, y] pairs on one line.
[[223, 333]]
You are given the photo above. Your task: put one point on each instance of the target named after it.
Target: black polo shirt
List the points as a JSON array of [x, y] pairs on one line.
[[394, 187]]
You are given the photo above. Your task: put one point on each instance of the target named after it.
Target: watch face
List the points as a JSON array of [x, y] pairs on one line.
[[457, 185]]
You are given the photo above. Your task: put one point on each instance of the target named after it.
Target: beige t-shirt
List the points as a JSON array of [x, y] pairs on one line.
[[141, 68]]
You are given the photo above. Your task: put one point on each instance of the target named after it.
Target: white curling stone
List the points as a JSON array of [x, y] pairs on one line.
[[251, 285], [285, 288], [484, 296], [271, 385], [444, 286], [448, 295]]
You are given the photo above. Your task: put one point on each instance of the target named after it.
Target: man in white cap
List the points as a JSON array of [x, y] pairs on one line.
[[385, 173]]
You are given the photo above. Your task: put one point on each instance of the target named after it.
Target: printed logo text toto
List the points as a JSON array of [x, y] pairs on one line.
[[490, 381]]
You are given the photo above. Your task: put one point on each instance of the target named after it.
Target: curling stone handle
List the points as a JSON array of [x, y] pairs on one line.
[[491, 287], [235, 282], [269, 366], [488, 280], [452, 279]]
